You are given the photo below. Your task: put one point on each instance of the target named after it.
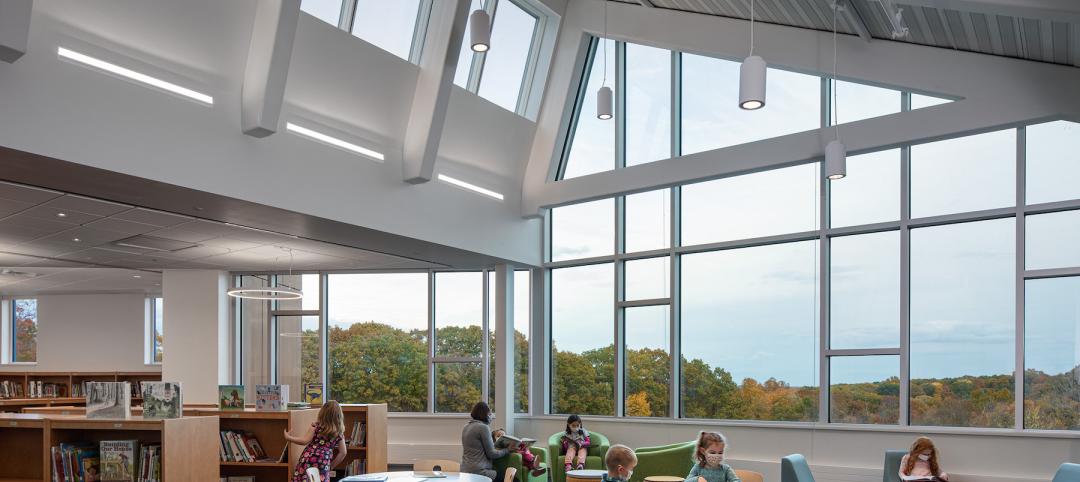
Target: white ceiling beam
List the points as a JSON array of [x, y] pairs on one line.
[[442, 43], [1056, 10], [855, 19], [267, 69], [14, 28]]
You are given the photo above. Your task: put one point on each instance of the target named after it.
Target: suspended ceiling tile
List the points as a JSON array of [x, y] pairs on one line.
[[129, 228], [192, 232], [83, 237], [87, 205], [152, 217], [230, 244], [27, 194], [52, 213], [10, 206]]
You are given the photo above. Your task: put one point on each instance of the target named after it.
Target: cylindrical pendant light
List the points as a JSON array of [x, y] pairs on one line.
[[835, 160], [604, 103], [752, 83], [480, 31]]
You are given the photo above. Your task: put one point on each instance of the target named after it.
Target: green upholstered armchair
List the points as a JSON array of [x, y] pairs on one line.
[[892, 465], [523, 474], [594, 460], [794, 468], [1068, 473], [674, 459]]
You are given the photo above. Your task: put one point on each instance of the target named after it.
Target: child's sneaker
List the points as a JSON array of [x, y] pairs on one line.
[[568, 468], [580, 466], [539, 471]]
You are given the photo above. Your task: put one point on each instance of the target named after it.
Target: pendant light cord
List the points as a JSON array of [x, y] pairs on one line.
[[751, 28], [603, 41], [836, 109]]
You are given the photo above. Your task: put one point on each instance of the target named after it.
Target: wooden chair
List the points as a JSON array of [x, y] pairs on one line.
[[428, 465], [750, 476], [511, 472]]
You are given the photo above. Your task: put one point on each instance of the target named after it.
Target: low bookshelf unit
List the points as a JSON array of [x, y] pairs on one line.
[[267, 428], [365, 439]]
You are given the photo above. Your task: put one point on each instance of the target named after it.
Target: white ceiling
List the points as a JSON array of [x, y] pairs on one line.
[[52, 242]]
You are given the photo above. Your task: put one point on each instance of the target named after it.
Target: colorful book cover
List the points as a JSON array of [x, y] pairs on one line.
[[162, 400], [108, 400], [91, 469], [117, 460], [271, 398], [231, 397], [313, 393]]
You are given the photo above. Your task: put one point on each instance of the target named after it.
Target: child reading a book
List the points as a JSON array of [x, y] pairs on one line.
[[921, 462], [324, 441], [575, 443], [620, 462], [709, 463], [528, 460]]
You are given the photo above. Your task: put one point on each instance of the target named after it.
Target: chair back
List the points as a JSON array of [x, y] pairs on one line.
[[428, 465], [511, 472], [794, 468], [750, 476], [313, 474], [892, 465], [1067, 473]]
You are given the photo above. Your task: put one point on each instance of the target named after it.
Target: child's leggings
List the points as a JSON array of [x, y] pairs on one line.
[[575, 451]]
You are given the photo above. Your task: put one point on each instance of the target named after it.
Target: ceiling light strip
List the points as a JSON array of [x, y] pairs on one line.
[[319, 136], [471, 187], [133, 75]]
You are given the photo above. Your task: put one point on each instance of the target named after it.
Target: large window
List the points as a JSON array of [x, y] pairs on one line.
[[1053, 162], [24, 329], [592, 143], [459, 340], [1052, 354], [582, 340], [648, 361], [648, 104], [157, 307], [583, 230], [964, 174], [297, 344], [396, 27]]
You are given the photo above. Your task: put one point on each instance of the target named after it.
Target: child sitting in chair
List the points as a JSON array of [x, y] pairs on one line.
[[528, 460]]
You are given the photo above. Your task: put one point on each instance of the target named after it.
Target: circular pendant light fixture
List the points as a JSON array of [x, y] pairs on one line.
[[480, 31], [752, 75], [271, 293], [835, 152], [605, 98]]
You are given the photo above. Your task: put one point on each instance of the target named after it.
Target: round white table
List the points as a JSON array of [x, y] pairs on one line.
[[585, 475], [410, 476]]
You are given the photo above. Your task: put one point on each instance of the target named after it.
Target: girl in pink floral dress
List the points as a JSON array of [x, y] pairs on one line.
[[325, 443]]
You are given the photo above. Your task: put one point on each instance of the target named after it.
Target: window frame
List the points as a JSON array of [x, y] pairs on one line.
[[348, 11], [152, 333], [11, 332]]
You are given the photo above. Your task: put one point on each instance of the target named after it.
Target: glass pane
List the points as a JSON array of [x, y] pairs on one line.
[[962, 324], [465, 55], [864, 389], [387, 25], [964, 174], [861, 101], [648, 104], [1053, 240], [593, 145], [255, 329], [647, 279], [459, 314], [648, 221], [298, 353], [767, 203], [308, 284], [583, 230], [711, 117], [735, 302], [328, 11], [457, 386], [378, 339], [25, 328], [1052, 354], [918, 101], [504, 66], [864, 286], [582, 340], [648, 361], [1053, 162], [159, 329], [522, 307], [870, 193]]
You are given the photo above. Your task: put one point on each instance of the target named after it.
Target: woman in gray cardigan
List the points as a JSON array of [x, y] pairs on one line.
[[477, 447]]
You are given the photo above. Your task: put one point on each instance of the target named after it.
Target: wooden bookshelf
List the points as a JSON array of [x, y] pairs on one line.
[[188, 448], [268, 428], [373, 451], [68, 380]]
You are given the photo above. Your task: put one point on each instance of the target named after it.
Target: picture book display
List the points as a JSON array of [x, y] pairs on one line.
[[271, 398], [313, 393], [108, 400], [117, 459], [162, 400], [231, 397]]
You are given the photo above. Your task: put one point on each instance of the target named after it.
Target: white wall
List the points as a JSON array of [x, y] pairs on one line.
[[91, 332], [196, 333], [59, 109]]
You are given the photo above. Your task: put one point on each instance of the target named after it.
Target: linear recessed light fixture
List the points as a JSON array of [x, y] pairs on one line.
[[471, 187], [133, 75], [334, 141]]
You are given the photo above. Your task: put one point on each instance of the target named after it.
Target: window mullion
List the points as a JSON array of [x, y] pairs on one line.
[[620, 105], [1021, 263], [905, 286], [431, 342]]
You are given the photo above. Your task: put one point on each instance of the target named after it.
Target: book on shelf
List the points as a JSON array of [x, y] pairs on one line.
[[118, 462], [230, 397], [108, 400], [241, 447], [42, 389], [10, 389], [74, 462], [358, 436], [271, 398], [162, 400], [358, 467], [313, 393], [149, 463]]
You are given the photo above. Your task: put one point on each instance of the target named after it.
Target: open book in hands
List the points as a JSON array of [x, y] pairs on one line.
[[511, 441], [918, 478]]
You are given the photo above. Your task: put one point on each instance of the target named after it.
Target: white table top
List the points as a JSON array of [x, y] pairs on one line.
[[409, 476], [587, 474]]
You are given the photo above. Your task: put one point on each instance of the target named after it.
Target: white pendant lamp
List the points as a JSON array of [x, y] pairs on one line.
[[272, 293], [480, 30], [605, 98], [752, 75], [835, 152]]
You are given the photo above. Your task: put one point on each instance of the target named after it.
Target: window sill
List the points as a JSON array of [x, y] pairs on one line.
[[22, 363]]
